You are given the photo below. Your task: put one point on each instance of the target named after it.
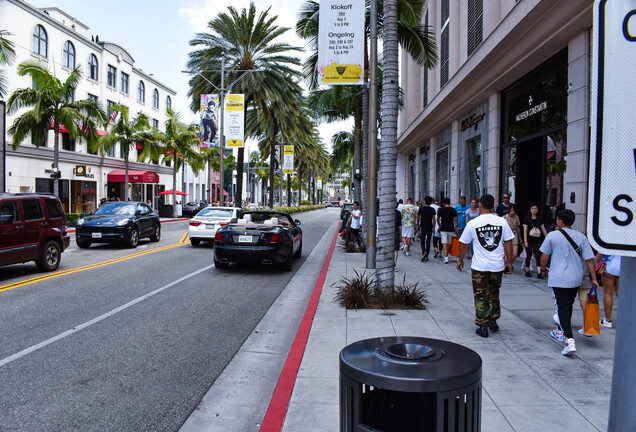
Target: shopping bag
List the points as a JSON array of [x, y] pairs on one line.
[[454, 249], [592, 318]]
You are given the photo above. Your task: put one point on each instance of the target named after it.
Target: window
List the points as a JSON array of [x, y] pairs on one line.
[[32, 209], [10, 208], [122, 151], [141, 92], [475, 24], [92, 97], [425, 87], [155, 123], [68, 55], [112, 76], [110, 107], [168, 103], [124, 82], [53, 208], [444, 51], [40, 41], [93, 67], [67, 143], [155, 99]]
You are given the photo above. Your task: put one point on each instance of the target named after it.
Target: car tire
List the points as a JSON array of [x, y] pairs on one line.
[[156, 235], [50, 258], [133, 240], [82, 243], [299, 252], [289, 262], [219, 264], [195, 242]]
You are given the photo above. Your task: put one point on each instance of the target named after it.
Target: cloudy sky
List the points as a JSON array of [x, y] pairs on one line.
[[157, 34]]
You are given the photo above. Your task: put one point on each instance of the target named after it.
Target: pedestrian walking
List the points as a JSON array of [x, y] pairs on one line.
[[409, 212], [491, 238], [533, 234], [426, 223], [447, 220], [471, 214], [398, 233], [611, 280], [565, 248], [461, 210], [437, 236], [354, 223], [515, 227], [502, 209]]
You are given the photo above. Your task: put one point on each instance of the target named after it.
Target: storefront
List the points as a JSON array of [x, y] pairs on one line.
[[143, 185], [472, 143], [83, 190], [534, 137]]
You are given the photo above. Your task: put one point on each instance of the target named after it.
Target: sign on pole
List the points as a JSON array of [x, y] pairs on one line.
[[288, 159], [319, 183], [341, 39], [234, 120], [209, 124], [612, 193]]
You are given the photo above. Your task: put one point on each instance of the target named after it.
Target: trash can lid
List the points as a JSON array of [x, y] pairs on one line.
[[410, 364]]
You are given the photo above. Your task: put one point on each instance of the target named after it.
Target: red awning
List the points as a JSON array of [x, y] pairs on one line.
[[101, 132], [133, 176], [139, 146], [64, 130]]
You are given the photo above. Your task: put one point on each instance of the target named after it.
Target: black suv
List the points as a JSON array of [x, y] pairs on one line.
[[32, 228]]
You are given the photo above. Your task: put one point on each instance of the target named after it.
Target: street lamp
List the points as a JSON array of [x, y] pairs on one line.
[[222, 91]]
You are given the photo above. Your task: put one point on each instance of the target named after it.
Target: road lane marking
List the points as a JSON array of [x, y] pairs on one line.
[[87, 324], [87, 267]]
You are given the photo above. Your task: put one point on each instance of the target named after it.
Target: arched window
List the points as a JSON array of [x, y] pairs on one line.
[[141, 92], [68, 55], [168, 103], [40, 41], [93, 67], [155, 99]]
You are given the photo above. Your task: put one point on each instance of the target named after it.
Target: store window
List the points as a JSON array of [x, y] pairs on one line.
[[40, 41], [141, 92], [441, 168], [473, 147], [411, 191], [112, 76], [125, 78], [67, 143], [424, 171], [93, 67], [68, 55]]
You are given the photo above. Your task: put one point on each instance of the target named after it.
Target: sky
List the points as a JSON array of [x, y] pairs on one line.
[[157, 33]]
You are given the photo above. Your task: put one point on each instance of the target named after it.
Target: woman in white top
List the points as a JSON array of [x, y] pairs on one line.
[[611, 278]]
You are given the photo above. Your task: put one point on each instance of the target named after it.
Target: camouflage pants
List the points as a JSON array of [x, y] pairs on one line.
[[486, 292]]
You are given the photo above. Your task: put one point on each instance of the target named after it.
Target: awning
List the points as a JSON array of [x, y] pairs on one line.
[[64, 130], [119, 176]]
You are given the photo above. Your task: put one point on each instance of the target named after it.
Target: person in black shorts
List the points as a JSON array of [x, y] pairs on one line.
[[426, 222]]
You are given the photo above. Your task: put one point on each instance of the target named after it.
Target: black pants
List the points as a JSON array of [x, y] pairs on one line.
[[425, 239], [354, 235], [563, 304], [437, 243], [534, 243]]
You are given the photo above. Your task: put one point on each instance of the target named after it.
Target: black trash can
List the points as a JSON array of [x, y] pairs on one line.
[[405, 384]]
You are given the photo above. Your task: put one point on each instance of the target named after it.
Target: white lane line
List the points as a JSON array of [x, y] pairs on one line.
[[74, 330]]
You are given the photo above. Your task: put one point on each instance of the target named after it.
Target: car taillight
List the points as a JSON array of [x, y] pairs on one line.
[[217, 237], [275, 238], [195, 223], [223, 223]]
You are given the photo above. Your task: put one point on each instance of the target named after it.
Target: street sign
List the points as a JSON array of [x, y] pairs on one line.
[[288, 159], [612, 193]]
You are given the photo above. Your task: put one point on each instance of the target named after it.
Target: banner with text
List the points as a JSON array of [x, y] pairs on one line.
[[341, 42], [288, 159], [234, 120], [209, 124]]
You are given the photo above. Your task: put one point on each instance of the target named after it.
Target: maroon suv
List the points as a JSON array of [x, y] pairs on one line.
[[32, 228]]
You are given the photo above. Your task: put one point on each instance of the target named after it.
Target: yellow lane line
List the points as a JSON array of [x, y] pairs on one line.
[[89, 267], [184, 239]]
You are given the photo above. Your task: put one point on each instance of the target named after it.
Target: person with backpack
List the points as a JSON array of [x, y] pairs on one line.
[[565, 248]]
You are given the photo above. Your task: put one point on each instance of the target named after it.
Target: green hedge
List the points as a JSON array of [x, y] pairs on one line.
[[71, 219]]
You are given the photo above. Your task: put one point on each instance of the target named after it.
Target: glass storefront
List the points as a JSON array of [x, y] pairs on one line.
[[474, 172], [442, 168]]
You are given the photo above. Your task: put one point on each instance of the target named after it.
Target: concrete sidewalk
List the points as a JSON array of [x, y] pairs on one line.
[[527, 384]]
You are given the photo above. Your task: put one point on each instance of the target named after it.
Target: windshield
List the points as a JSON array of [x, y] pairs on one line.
[[260, 218], [348, 206], [213, 212], [117, 209]]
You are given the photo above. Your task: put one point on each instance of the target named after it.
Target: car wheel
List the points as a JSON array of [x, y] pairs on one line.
[[156, 236], [82, 243], [195, 242], [50, 258], [133, 240], [299, 252], [289, 262], [219, 264]]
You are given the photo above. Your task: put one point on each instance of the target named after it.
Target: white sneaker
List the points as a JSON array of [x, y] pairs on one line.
[[582, 332], [407, 253], [570, 347], [606, 323], [445, 260], [555, 318], [558, 335]]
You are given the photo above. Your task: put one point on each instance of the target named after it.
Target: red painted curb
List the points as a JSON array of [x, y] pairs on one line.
[[275, 416]]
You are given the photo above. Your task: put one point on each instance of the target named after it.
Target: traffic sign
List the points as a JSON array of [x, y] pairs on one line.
[[612, 192]]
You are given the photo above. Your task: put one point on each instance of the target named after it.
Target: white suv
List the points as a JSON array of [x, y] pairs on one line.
[[205, 224]]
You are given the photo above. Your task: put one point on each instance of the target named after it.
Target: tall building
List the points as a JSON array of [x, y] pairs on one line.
[[110, 76], [506, 109]]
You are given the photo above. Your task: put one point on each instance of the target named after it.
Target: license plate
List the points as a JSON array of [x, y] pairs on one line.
[[97, 235], [245, 239], [209, 226]]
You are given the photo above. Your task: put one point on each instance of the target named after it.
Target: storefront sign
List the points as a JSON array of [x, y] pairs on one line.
[[80, 170], [531, 111], [209, 123], [234, 125], [319, 183], [473, 120], [341, 38], [288, 159]]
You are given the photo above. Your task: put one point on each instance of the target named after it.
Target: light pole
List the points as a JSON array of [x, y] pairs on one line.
[[373, 137], [3, 118]]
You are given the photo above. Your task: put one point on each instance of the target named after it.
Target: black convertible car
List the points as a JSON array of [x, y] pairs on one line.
[[260, 237], [118, 222]]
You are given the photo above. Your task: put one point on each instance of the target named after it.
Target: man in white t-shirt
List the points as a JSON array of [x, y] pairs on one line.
[[491, 238], [354, 222]]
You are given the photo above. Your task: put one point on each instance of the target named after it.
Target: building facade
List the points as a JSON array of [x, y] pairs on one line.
[[109, 75], [505, 110]]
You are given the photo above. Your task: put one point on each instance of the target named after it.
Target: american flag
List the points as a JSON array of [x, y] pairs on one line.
[[114, 115]]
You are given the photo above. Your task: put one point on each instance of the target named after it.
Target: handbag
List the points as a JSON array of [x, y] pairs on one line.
[[454, 249], [592, 324], [600, 266]]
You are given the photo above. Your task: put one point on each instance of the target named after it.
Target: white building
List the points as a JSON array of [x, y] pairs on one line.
[[62, 42], [507, 101]]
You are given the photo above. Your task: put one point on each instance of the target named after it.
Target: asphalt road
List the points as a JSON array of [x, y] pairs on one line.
[[128, 339]]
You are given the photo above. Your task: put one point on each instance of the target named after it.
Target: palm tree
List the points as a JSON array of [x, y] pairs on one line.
[[128, 132], [247, 40], [7, 56], [180, 145], [53, 106]]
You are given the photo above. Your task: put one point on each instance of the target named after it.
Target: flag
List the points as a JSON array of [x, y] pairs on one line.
[[114, 115]]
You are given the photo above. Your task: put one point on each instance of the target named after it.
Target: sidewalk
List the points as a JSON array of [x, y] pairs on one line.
[[527, 384]]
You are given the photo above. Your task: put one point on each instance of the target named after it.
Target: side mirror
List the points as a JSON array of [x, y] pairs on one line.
[[6, 219], [297, 222], [138, 213], [233, 220]]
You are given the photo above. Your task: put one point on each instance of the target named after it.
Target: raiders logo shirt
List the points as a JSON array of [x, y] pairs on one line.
[[487, 233]]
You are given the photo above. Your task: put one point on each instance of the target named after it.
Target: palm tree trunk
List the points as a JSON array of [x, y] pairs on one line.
[[300, 185], [309, 188], [388, 151], [126, 150], [272, 153], [174, 185], [357, 152], [56, 159], [365, 145]]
